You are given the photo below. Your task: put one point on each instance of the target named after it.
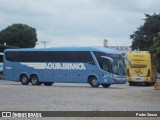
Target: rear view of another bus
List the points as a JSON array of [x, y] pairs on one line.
[[1, 65], [141, 68]]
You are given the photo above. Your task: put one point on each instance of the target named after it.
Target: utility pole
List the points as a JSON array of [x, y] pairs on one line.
[[105, 43], [44, 43]]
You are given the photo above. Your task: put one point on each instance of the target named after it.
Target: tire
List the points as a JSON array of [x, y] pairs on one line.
[[93, 82], [105, 85], [24, 79], [131, 84], [35, 80], [153, 83], [1, 75], [150, 84], [48, 83]]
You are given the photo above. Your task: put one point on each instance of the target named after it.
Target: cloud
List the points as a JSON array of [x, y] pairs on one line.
[[150, 5], [78, 20]]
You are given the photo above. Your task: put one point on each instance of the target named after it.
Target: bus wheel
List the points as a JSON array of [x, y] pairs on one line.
[[150, 84], [105, 85], [34, 80], [24, 79], [94, 82], [131, 84], [48, 83], [1, 75], [153, 83]]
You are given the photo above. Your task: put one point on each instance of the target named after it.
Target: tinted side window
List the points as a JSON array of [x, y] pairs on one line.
[[99, 58], [1, 58], [105, 65], [49, 56]]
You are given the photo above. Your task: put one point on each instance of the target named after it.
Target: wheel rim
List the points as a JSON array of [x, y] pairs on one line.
[[94, 82], [24, 80], [34, 80], [1, 76]]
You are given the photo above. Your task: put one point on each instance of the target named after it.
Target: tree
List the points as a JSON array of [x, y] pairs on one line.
[[1, 38], [19, 35], [143, 37], [139, 39], [155, 48]]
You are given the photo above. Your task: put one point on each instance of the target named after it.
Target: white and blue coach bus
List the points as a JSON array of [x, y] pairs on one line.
[[1, 65], [93, 65]]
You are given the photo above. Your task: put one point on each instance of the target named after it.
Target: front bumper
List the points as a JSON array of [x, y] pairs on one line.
[[119, 80]]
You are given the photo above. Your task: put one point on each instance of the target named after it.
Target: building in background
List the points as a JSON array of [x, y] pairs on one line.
[[122, 49]]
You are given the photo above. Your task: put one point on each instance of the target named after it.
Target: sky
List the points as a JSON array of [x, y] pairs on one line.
[[79, 22]]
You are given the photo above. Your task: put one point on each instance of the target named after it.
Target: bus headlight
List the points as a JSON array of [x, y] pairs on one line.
[[105, 78]]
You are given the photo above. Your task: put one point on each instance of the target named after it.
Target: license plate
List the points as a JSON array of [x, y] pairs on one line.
[[138, 79]]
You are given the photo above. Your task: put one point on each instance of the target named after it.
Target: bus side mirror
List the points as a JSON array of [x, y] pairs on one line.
[[108, 58], [111, 62], [127, 60]]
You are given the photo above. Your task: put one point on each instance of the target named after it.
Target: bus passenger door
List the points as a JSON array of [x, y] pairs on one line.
[[106, 66]]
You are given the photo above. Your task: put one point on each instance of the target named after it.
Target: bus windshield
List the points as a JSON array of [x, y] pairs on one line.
[[118, 66]]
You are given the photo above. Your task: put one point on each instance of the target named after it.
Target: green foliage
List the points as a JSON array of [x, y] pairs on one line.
[[139, 39], [19, 35], [143, 37], [155, 48]]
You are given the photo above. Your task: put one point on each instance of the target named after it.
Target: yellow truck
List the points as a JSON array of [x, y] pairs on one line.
[[141, 68]]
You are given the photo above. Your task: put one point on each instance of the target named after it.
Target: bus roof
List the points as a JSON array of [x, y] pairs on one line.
[[139, 55], [100, 49]]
